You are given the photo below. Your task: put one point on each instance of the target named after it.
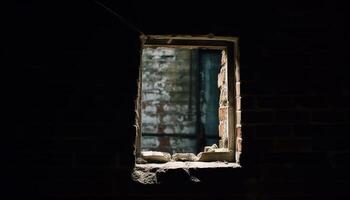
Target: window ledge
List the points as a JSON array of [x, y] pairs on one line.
[[186, 165], [155, 173]]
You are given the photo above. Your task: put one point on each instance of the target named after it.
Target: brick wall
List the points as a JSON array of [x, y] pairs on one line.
[[223, 106], [168, 104], [74, 86]]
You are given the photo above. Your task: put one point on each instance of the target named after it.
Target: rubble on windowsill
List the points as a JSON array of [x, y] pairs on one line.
[[213, 153], [175, 171], [186, 165], [154, 156], [184, 157], [210, 154], [154, 166]]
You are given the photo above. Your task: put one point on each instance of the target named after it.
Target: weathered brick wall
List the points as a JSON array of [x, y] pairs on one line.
[[74, 86], [168, 99], [223, 105], [179, 99]]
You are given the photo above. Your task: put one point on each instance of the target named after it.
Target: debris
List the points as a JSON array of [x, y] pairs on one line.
[[175, 171], [155, 156], [184, 157], [210, 148], [140, 161], [221, 150], [217, 155]]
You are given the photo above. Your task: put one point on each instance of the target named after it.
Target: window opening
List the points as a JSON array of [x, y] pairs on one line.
[[188, 102]]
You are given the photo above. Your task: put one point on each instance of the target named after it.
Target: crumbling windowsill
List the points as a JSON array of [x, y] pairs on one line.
[[155, 173], [187, 165]]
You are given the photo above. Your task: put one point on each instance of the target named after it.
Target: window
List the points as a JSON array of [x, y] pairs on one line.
[[188, 105]]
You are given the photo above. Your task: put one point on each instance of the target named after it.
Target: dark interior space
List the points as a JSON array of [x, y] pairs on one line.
[[73, 84]]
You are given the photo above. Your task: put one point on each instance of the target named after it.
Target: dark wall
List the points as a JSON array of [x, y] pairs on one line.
[[73, 75]]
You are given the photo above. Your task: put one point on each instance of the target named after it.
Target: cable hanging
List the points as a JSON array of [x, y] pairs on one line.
[[122, 19]]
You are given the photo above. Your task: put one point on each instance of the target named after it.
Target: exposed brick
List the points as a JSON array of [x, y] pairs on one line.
[[239, 132], [160, 114], [293, 60], [223, 113], [238, 103], [223, 96], [222, 128], [238, 89], [239, 145], [222, 77], [223, 57]]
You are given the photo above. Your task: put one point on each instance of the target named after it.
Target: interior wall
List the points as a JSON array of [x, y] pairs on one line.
[[74, 69], [168, 100]]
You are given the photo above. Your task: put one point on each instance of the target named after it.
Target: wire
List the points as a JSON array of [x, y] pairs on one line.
[[121, 18]]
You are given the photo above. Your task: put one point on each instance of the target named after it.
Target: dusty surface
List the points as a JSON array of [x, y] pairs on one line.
[[153, 173], [184, 157], [176, 165]]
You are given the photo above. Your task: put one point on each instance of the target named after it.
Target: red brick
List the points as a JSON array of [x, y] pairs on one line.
[[223, 113], [222, 77], [239, 144], [222, 128]]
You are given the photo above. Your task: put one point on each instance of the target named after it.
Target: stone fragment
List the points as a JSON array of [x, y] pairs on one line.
[[216, 156], [221, 150], [155, 156], [184, 157], [210, 148], [140, 161]]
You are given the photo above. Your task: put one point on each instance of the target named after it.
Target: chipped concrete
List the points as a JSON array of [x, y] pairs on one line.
[[152, 173], [188, 165]]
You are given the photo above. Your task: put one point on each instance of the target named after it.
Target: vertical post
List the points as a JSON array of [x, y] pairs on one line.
[[238, 133]]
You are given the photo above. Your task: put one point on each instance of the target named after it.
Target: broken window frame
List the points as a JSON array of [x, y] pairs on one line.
[[224, 43]]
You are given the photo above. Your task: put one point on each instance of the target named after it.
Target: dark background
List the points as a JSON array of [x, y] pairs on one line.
[[74, 68]]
